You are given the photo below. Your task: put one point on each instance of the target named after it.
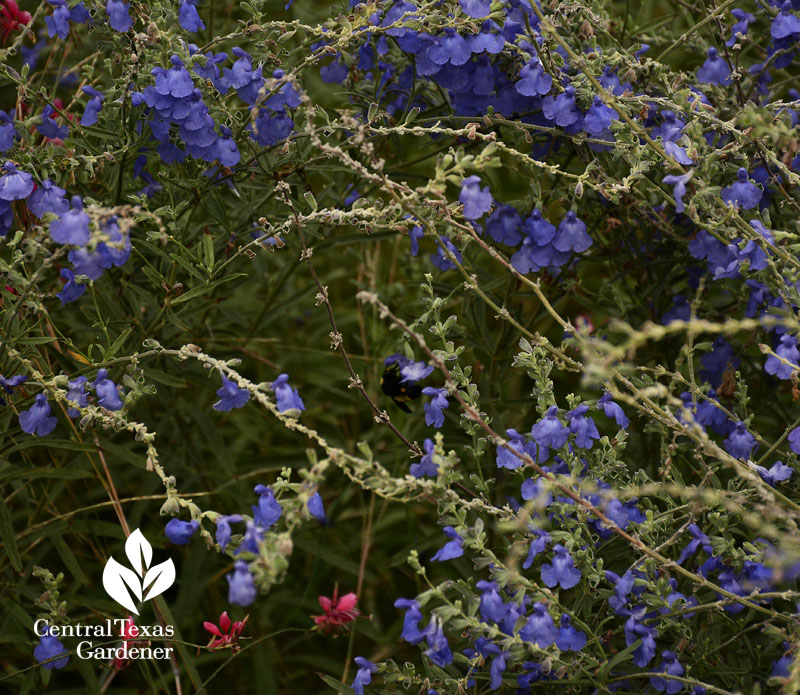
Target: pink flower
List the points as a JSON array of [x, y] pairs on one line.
[[227, 634], [338, 611]]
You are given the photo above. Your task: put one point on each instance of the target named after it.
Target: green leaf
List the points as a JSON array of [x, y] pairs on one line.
[[336, 685], [70, 560], [8, 536], [198, 291]]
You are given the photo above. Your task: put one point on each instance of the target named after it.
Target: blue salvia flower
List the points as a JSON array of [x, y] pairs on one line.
[[180, 532], [106, 390], [534, 81], [415, 371], [433, 409], [562, 571], [539, 629], [499, 663], [93, 106], [73, 226], [505, 459], [715, 70], [363, 675], [549, 431], [438, 647], [787, 349], [786, 24], [8, 131], [37, 419], [743, 193], [492, 608], [15, 185], [316, 508], [671, 666], [230, 395], [777, 473], [794, 440], [562, 109], [224, 531], [450, 48], [6, 217], [50, 647], [452, 549], [413, 615], [477, 201], [740, 442], [241, 585], [679, 183], [48, 127], [476, 8], [741, 27], [48, 198], [572, 235], [582, 427], [598, 118], [8, 385], [487, 39], [426, 466], [77, 387], [58, 22], [119, 16], [538, 545], [441, 259], [286, 397], [570, 639], [504, 225], [268, 510], [634, 630], [188, 17], [613, 410]]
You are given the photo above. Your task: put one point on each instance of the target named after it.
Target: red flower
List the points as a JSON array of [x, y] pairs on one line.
[[226, 635], [128, 633], [11, 19], [338, 611]]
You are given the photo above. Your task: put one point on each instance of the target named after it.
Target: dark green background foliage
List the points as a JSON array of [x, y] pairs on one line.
[[196, 277]]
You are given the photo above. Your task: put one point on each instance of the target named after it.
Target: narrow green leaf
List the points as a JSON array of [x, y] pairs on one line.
[[9, 539]]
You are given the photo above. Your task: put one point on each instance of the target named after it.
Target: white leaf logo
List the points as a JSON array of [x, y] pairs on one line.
[[123, 584]]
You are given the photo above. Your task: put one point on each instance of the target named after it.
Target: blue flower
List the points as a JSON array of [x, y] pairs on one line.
[[433, 410], [540, 629], [268, 510], [598, 118], [486, 40], [415, 234], [50, 647], [741, 27], [188, 17], [788, 351], [241, 585], [743, 193], [48, 198], [572, 235], [496, 670], [77, 392], [680, 188], [441, 259], [570, 639], [549, 431], [15, 185], [73, 226], [534, 81], [715, 70], [477, 201], [58, 22], [563, 571], [411, 632], [71, 289], [230, 395], [740, 442], [438, 648], [119, 16], [776, 474], [562, 109], [613, 410], [451, 48], [180, 532], [8, 385], [634, 630], [794, 440], [491, 607], [286, 397], [8, 132], [93, 106], [582, 427], [505, 459], [671, 666], [37, 420], [786, 24], [426, 466], [48, 127], [452, 549], [316, 508], [538, 545], [504, 225], [698, 539], [224, 531], [476, 8], [106, 390], [415, 371], [363, 675]]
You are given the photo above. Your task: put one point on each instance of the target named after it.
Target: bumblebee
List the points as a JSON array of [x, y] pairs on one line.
[[398, 391]]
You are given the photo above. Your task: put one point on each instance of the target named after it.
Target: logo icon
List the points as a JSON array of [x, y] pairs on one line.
[[142, 582]]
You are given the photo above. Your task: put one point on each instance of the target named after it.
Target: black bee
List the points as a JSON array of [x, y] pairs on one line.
[[399, 392]]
